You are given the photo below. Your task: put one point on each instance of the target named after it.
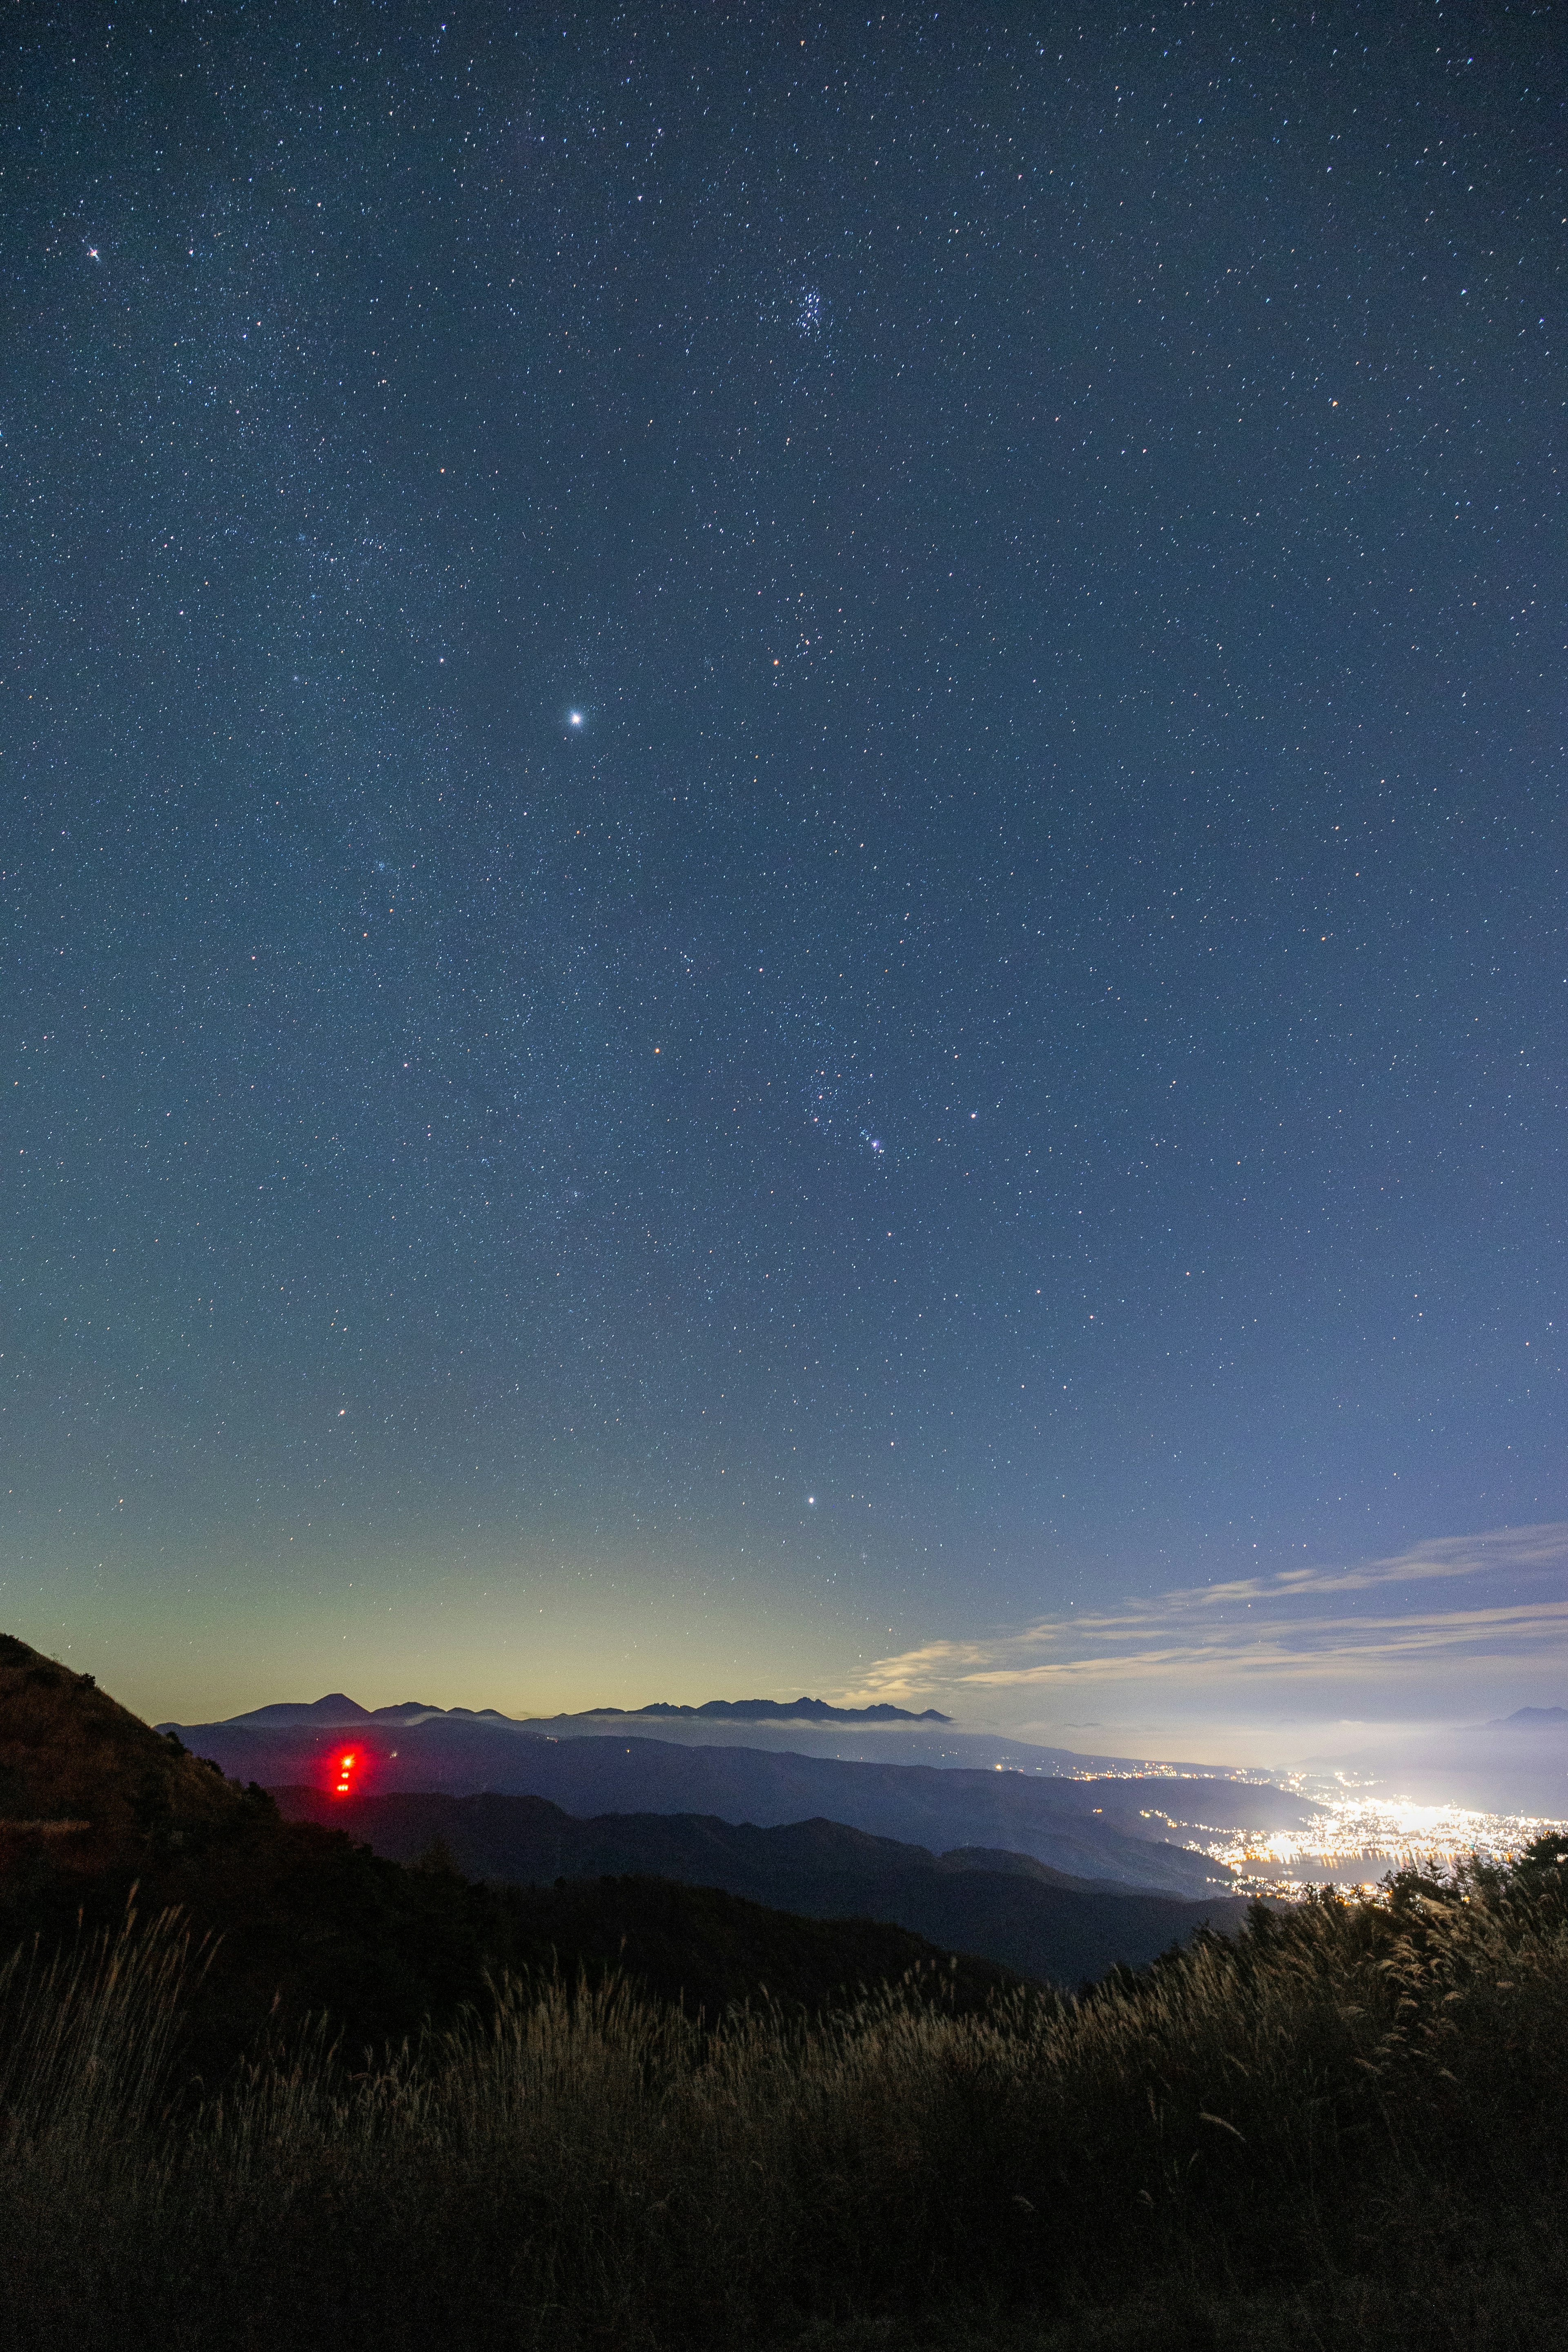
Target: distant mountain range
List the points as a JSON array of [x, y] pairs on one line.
[[1126, 1830], [1001, 1906], [773, 1710], [879, 1734], [337, 1709]]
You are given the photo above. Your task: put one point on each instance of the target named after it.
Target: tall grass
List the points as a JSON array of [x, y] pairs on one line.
[[1348, 2125]]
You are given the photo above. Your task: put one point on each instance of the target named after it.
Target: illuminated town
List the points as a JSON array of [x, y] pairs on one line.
[[1359, 1837]]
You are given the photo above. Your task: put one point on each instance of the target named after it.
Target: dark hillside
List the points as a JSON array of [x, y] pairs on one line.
[[76, 1765], [707, 1949], [1042, 1923]]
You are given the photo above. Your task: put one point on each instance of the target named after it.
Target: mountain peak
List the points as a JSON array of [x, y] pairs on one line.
[[336, 1707], [775, 1710]]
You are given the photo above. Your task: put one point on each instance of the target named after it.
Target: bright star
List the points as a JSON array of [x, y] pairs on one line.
[[574, 717]]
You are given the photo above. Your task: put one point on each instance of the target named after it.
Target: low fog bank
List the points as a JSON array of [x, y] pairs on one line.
[[1512, 1762], [1515, 1766]]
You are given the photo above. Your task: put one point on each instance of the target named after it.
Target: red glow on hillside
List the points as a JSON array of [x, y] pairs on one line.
[[345, 1769]]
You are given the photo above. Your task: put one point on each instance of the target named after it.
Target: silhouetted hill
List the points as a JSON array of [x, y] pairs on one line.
[[709, 1949], [1111, 1829], [75, 1767], [1041, 1922], [336, 1711]]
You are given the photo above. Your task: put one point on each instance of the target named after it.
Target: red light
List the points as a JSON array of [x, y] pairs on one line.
[[345, 1768]]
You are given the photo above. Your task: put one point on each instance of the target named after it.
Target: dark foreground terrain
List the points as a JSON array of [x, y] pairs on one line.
[[1345, 2125]]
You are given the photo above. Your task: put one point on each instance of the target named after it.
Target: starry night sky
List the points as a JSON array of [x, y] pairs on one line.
[[781, 829]]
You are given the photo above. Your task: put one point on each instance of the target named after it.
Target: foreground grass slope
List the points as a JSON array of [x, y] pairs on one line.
[[1346, 2127]]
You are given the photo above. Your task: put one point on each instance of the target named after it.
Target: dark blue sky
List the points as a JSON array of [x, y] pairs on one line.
[[1010, 1057]]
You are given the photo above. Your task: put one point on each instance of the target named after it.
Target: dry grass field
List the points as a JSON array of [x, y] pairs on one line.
[[1347, 2126]]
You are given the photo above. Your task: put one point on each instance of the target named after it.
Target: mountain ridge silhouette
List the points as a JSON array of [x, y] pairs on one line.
[[337, 1709]]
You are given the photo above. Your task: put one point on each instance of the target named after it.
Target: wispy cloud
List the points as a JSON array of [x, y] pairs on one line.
[[1296, 1624]]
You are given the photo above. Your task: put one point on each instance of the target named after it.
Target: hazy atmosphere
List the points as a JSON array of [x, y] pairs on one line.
[[781, 829]]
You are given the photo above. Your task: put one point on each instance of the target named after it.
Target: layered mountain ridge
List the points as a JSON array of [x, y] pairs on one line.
[[339, 1711], [1138, 1832], [1046, 1923]]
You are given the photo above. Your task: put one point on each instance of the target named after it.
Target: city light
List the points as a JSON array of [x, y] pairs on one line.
[[1360, 1836]]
